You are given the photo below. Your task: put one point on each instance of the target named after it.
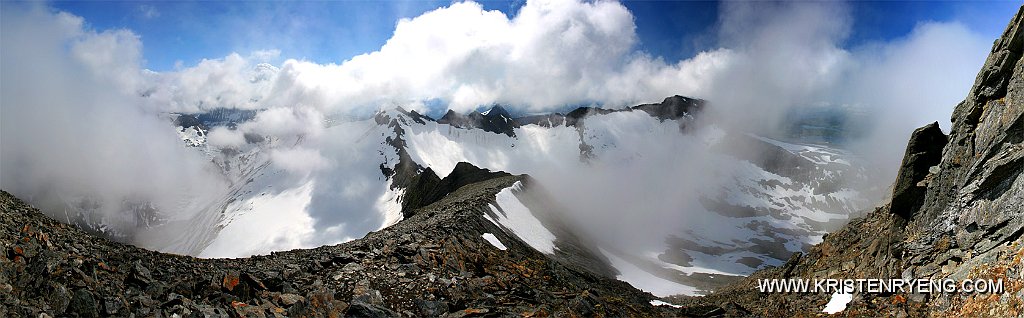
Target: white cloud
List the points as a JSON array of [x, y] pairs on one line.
[[910, 82], [286, 122], [72, 127], [298, 160], [223, 137], [550, 54], [230, 82]]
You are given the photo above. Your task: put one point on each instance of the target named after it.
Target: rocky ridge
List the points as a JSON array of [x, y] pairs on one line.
[[434, 263], [500, 121]]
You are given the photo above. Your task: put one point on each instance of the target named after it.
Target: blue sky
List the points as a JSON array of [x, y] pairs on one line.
[[333, 31]]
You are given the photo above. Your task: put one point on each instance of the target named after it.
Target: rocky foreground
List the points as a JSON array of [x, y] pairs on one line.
[[434, 263]]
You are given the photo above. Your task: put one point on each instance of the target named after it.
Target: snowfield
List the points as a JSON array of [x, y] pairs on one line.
[[509, 213]]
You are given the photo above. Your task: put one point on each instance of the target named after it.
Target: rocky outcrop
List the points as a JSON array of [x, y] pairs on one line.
[[923, 151], [428, 188], [674, 107], [496, 120], [189, 121], [545, 120], [576, 116]]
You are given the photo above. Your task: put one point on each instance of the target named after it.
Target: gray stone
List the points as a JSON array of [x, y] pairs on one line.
[[291, 299]]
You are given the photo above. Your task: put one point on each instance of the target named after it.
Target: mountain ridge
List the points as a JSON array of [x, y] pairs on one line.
[[432, 264]]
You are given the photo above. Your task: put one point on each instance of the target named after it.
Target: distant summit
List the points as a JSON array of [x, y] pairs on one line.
[[498, 120]]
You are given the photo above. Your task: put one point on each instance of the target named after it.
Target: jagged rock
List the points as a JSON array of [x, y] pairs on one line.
[[584, 304], [139, 276], [923, 151], [352, 268], [496, 120], [291, 299], [428, 188], [58, 297], [546, 120], [112, 305], [189, 121], [431, 308], [83, 304], [361, 309], [674, 107]]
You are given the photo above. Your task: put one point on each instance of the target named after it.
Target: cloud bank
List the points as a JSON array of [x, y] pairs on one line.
[[71, 127], [550, 54]]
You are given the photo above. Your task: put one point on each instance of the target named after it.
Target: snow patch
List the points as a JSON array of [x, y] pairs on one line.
[[657, 302], [281, 218], [646, 281], [494, 241], [516, 217], [390, 206]]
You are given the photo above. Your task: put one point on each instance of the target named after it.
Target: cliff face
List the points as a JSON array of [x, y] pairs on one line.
[[974, 197], [957, 212]]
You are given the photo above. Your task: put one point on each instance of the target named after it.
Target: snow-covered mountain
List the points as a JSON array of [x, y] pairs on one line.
[[674, 205]]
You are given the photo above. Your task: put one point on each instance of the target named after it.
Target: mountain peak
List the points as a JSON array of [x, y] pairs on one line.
[[497, 111]]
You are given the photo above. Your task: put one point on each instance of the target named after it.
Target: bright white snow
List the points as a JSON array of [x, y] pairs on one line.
[[645, 281], [278, 220], [512, 215], [391, 206], [343, 198], [657, 302], [838, 303], [494, 241]]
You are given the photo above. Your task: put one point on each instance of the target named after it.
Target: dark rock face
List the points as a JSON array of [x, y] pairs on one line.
[[576, 117], [428, 188], [673, 107], [923, 151], [547, 120], [415, 116], [957, 213], [497, 120], [189, 121], [225, 116]]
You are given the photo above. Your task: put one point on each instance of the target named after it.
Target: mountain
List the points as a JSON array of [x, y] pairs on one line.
[[486, 214], [495, 119], [955, 213], [769, 203]]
